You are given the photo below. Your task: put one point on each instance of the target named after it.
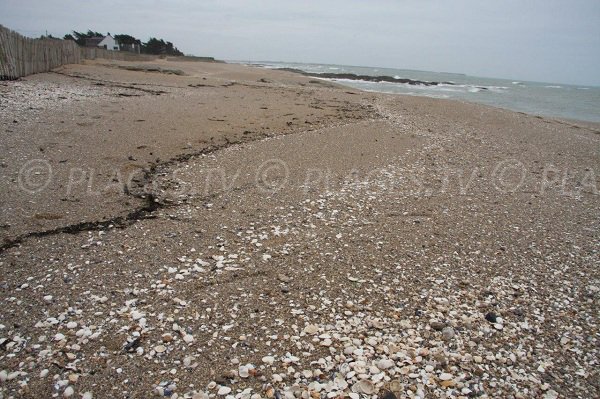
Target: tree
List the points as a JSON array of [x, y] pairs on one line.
[[159, 46], [80, 37], [153, 46], [127, 39]]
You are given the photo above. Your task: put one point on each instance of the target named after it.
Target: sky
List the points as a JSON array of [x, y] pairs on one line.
[[549, 41]]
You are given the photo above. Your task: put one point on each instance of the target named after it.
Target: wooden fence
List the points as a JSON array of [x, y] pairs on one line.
[[91, 53], [22, 56]]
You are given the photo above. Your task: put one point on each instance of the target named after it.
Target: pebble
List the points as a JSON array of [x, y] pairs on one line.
[[160, 348], [388, 395], [188, 338], [69, 391], [491, 317], [448, 333], [448, 383], [436, 325], [551, 394], [243, 372], [268, 360], [311, 329], [136, 315], [445, 376], [385, 364], [224, 391]]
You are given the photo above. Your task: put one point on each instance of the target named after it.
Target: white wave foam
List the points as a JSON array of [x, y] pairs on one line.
[[437, 95], [497, 89], [442, 90], [553, 87]]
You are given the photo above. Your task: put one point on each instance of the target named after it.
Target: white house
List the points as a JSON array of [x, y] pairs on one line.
[[109, 43]]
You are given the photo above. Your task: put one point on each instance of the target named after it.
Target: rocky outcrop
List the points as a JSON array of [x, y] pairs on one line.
[[366, 78]]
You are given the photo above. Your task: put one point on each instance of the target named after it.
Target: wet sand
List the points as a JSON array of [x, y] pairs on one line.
[[273, 234]]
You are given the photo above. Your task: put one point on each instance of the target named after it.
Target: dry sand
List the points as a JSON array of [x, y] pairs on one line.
[[255, 233]]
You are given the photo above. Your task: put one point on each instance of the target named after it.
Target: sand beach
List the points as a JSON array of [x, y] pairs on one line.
[[196, 230]]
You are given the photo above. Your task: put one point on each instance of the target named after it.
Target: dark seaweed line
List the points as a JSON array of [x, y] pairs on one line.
[[143, 212], [146, 211]]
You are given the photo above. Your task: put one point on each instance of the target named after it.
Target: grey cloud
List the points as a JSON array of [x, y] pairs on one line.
[[550, 40]]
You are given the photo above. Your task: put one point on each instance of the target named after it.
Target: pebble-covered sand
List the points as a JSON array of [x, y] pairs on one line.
[[391, 247]]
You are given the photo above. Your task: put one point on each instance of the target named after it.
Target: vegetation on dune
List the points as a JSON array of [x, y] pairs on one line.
[[152, 46], [79, 37], [159, 46]]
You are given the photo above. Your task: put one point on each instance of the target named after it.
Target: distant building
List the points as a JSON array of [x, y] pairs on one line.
[[130, 47], [107, 42]]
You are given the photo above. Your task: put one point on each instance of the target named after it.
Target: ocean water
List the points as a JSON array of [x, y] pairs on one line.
[[537, 98]]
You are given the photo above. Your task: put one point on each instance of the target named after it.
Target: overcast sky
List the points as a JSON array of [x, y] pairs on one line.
[[549, 40]]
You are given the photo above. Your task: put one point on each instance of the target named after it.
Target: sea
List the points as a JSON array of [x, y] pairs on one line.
[[578, 102]]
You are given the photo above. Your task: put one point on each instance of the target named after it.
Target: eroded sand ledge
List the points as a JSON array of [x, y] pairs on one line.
[[321, 235]]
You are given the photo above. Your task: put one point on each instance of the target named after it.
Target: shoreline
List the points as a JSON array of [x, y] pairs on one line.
[[430, 80], [295, 238]]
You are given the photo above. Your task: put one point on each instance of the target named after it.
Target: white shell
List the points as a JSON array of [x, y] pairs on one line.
[[364, 386]]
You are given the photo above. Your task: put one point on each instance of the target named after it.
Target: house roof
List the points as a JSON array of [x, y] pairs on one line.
[[93, 41]]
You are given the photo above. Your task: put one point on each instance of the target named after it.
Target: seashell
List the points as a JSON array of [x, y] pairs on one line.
[[311, 329], [243, 372], [364, 386], [396, 386]]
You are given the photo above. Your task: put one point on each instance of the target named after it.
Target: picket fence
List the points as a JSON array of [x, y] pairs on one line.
[[21, 56]]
